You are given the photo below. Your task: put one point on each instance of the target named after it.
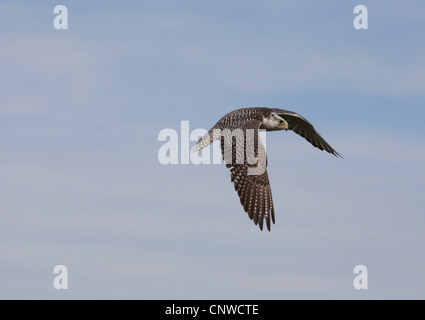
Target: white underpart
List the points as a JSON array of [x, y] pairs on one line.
[[272, 123]]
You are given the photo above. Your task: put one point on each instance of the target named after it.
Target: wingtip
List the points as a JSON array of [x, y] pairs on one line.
[[195, 149], [338, 155]]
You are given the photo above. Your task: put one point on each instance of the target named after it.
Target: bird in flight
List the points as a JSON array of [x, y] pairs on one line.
[[245, 156]]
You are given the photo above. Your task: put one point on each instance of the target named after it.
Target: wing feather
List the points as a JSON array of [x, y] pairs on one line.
[[253, 189], [255, 195], [305, 129]]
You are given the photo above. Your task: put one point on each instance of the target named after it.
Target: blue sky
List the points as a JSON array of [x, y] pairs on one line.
[[81, 184]]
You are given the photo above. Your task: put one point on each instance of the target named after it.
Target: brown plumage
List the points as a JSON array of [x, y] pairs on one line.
[[244, 153]]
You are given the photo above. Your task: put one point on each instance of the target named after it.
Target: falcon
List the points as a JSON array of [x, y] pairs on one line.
[[245, 156]]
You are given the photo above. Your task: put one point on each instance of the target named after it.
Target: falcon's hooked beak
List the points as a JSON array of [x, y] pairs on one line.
[[282, 124]]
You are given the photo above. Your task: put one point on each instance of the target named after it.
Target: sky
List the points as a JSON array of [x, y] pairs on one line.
[[81, 184]]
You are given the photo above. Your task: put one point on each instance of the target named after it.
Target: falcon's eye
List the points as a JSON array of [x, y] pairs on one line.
[[281, 121]]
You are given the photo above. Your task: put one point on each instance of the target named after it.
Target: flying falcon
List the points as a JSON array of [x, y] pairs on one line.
[[244, 153]]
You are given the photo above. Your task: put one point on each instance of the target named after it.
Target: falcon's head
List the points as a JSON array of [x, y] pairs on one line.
[[274, 122]]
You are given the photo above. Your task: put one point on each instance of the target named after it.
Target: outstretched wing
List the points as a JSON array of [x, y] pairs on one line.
[[249, 174], [255, 194], [304, 128]]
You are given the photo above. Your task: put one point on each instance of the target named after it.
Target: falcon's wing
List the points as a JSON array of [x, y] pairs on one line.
[[255, 194], [304, 128], [249, 177]]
